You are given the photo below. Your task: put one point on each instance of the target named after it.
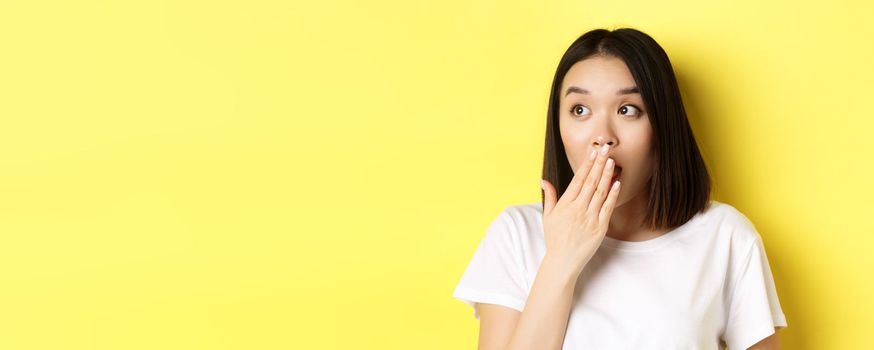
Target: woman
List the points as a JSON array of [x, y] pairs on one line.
[[626, 249]]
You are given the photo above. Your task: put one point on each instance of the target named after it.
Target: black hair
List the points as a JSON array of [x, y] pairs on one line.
[[680, 184]]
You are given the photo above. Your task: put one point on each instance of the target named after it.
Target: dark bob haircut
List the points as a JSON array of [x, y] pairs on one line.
[[680, 184]]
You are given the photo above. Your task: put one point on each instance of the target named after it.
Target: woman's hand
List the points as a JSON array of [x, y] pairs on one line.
[[575, 225]]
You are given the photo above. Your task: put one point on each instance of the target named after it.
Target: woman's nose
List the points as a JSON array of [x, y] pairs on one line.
[[603, 133], [601, 141]]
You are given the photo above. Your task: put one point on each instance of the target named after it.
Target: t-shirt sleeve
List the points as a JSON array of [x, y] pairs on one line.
[[754, 310], [495, 274]]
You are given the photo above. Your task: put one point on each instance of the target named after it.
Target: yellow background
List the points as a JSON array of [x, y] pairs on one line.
[[275, 175]]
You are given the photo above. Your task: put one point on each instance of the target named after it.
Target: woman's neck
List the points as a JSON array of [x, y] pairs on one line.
[[626, 223]]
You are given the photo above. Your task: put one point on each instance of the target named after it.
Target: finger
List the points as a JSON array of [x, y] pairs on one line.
[[603, 187], [594, 176], [609, 204], [549, 196], [573, 189]]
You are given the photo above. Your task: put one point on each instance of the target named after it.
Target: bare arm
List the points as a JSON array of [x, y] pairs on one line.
[[543, 322], [769, 343], [573, 228]]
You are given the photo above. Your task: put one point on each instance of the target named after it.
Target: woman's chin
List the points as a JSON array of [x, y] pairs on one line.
[[624, 199]]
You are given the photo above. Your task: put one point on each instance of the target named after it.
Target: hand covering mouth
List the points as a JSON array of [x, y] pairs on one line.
[[617, 171]]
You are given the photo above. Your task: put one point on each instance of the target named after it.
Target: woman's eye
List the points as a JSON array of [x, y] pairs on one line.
[[624, 109], [579, 109]]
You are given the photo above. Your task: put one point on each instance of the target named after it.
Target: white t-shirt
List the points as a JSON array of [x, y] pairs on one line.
[[703, 285]]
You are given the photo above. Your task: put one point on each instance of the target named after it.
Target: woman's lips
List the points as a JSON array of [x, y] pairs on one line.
[[616, 173]]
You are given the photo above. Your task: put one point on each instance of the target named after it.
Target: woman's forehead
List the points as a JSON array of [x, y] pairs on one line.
[[598, 75]]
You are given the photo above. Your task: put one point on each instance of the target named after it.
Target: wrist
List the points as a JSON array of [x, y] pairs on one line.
[[560, 270]]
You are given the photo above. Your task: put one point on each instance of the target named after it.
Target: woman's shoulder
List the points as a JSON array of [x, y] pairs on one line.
[[524, 214], [521, 219], [729, 219], [525, 210]]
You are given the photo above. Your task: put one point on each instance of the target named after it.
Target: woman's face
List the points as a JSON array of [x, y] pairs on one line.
[[597, 108]]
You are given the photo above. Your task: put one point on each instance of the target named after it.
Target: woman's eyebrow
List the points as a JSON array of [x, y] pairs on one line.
[[625, 91]]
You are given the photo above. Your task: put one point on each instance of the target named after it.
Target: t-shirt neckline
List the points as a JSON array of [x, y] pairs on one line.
[[652, 243]]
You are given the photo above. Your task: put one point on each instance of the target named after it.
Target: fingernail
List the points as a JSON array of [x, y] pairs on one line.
[[604, 149], [592, 155]]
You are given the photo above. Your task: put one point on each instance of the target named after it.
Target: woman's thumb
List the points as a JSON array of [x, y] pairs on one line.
[[548, 196]]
